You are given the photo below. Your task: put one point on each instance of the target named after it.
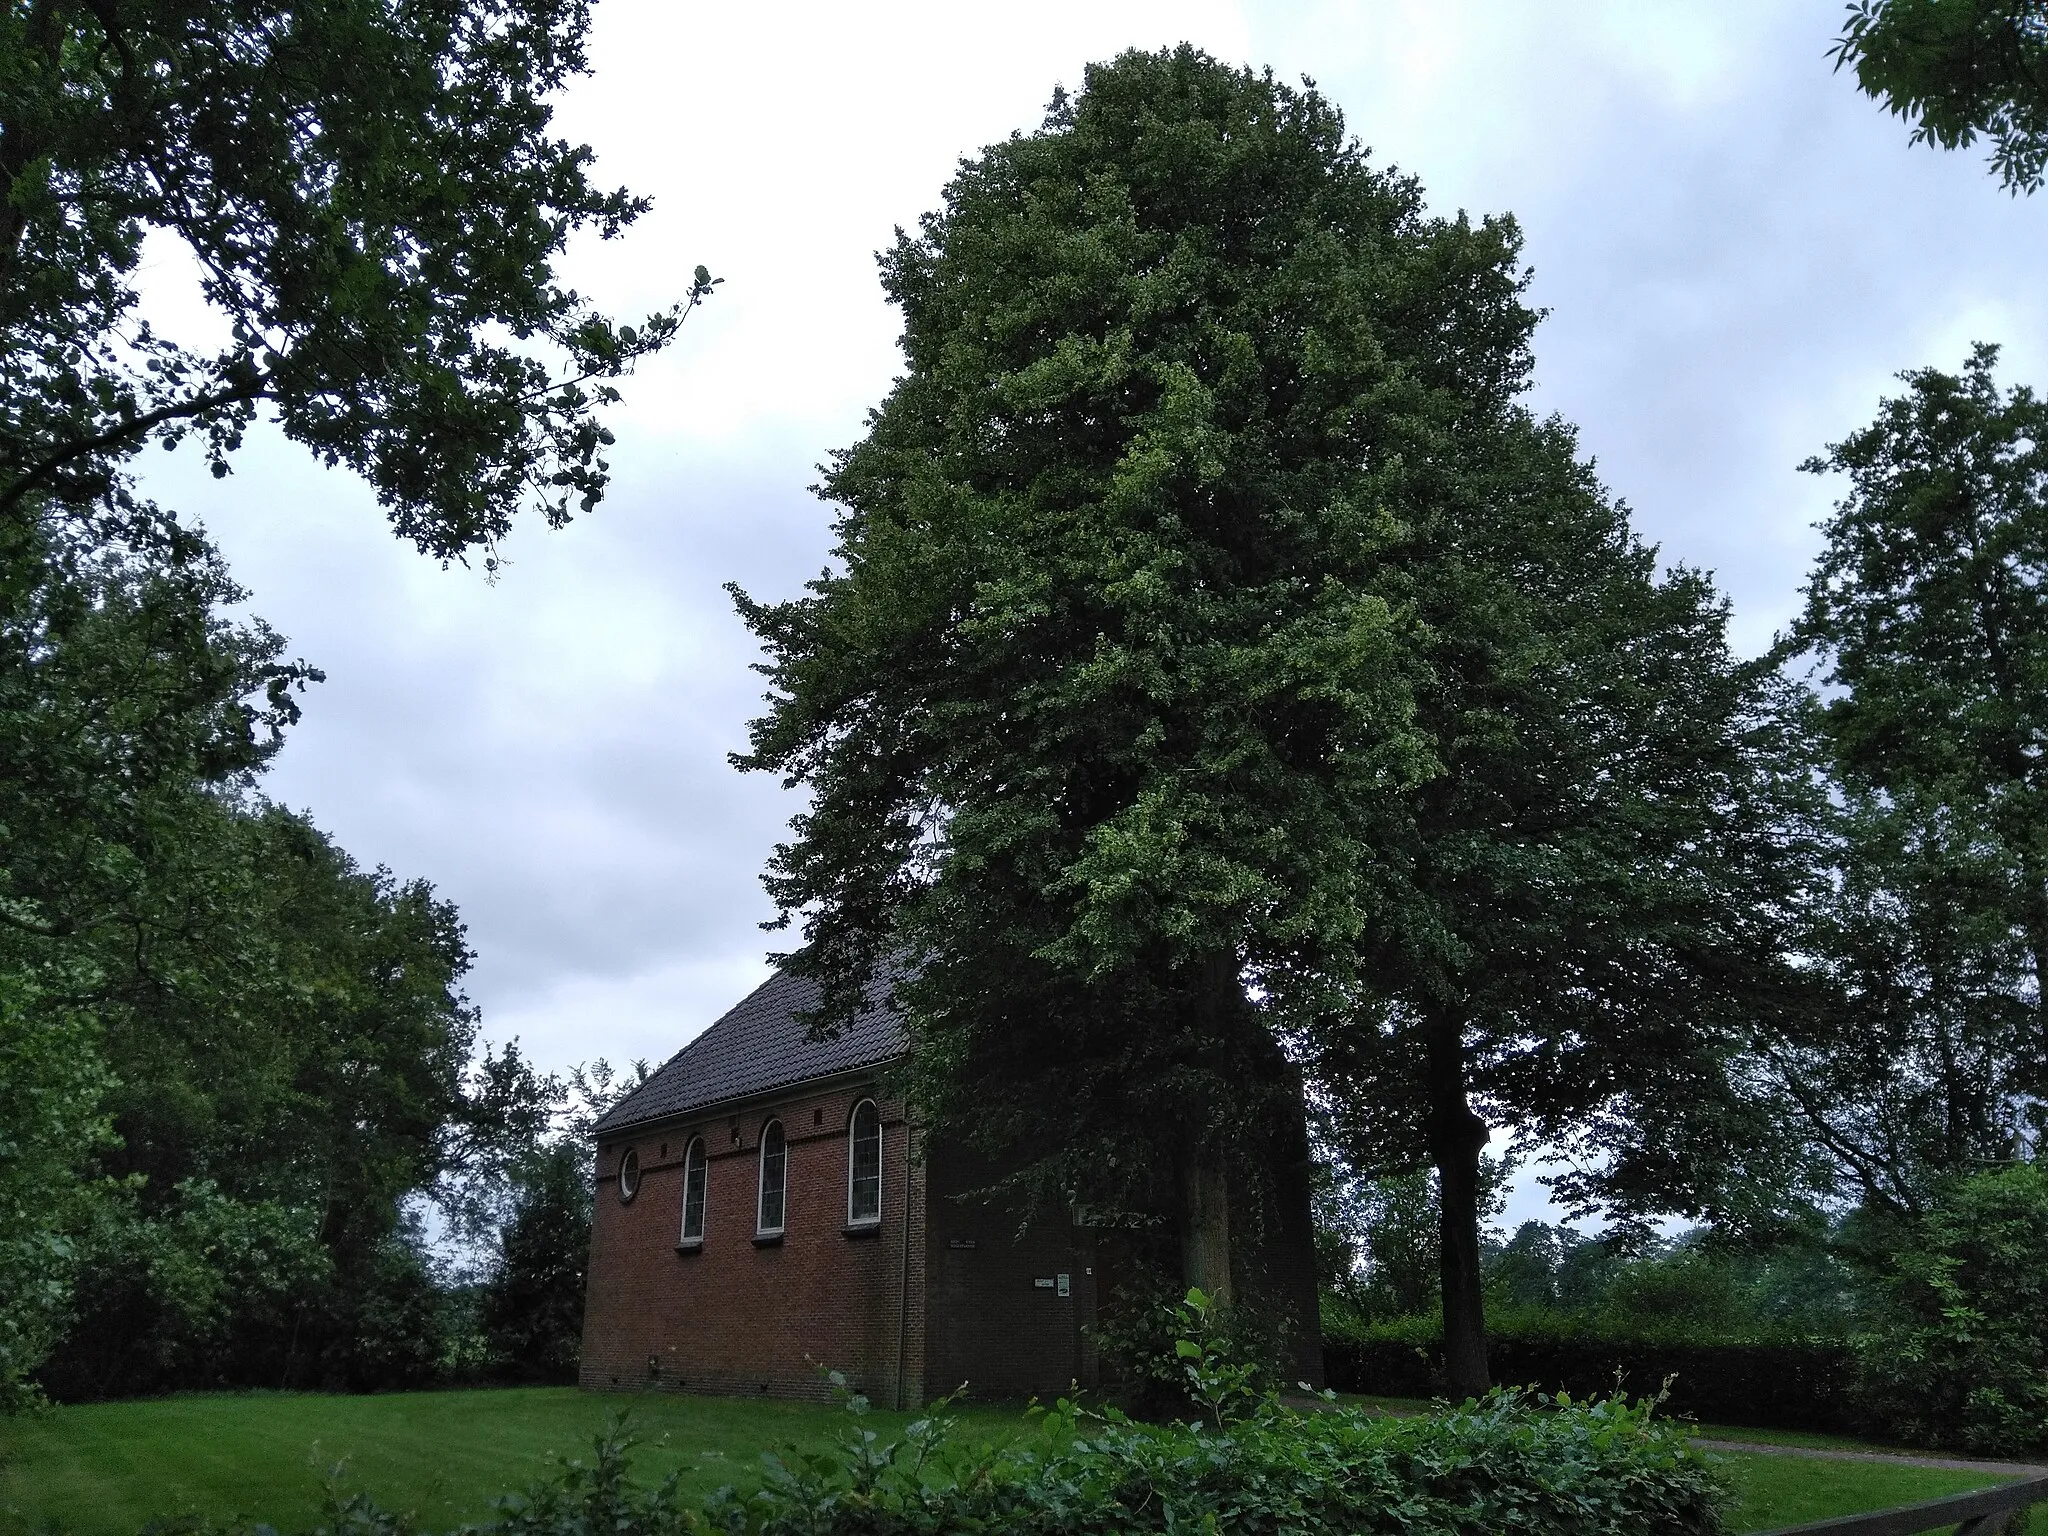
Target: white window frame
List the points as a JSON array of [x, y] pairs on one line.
[[852, 1130], [629, 1175], [702, 1154], [761, 1179]]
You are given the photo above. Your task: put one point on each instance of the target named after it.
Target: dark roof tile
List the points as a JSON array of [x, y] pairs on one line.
[[759, 1045]]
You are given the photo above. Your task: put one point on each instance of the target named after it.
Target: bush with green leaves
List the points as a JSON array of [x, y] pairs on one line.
[[1506, 1464], [1144, 1341], [51, 1081], [195, 1293], [1960, 1355]]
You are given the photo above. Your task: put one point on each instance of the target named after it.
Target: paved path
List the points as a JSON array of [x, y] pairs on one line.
[[1894, 1458], [1764, 1448]]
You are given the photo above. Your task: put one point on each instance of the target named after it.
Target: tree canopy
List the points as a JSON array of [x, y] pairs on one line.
[[1102, 700], [1959, 70], [230, 1056], [1584, 906], [375, 206], [1926, 621]]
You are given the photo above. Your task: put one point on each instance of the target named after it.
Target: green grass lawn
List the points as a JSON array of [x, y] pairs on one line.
[[109, 1467], [1788, 1490], [105, 1469]]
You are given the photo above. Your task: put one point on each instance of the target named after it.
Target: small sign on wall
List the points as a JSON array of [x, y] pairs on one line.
[[1044, 1283], [1066, 1285]]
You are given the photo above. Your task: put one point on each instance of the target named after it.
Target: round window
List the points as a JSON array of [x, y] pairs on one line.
[[629, 1175]]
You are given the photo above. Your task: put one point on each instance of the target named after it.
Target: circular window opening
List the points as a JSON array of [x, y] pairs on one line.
[[629, 1175]]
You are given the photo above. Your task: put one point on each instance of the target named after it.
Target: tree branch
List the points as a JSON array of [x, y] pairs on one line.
[[42, 930], [134, 426]]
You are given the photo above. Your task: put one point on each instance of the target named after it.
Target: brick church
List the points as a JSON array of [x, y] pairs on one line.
[[762, 1210]]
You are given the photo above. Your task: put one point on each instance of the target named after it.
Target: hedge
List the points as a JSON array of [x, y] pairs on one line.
[[1776, 1386]]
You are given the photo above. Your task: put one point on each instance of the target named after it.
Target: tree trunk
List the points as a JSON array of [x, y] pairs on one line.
[[2037, 944], [1217, 1006], [1205, 1223], [1456, 1137]]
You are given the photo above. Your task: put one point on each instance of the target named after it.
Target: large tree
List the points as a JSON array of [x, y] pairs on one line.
[[1220, 655], [1928, 612], [124, 691], [1918, 1056], [1100, 708], [375, 206], [1958, 71], [257, 1048], [286, 1048], [1582, 910], [1927, 620]]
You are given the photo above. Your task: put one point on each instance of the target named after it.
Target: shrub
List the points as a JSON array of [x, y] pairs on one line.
[[1960, 1353], [200, 1292], [51, 1081], [1784, 1386], [1142, 1341], [1687, 1290]]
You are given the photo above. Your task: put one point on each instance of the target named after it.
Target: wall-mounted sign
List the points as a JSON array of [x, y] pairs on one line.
[[1044, 1283], [1066, 1285], [959, 1242]]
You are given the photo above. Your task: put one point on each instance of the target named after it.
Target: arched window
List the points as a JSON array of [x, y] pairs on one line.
[[694, 1170], [629, 1175], [864, 1165], [774, 1179]]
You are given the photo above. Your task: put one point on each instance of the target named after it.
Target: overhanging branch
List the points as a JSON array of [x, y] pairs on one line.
[[123, 431]]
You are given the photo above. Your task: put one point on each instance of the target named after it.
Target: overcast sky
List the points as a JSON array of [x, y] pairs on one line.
[[1736, 249]]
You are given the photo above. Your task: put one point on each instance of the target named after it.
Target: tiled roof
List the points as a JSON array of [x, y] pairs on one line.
[[759, 1045]]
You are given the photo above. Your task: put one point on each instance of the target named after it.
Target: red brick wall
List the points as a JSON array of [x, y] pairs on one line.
[[735, 1317], [732, 1317]]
